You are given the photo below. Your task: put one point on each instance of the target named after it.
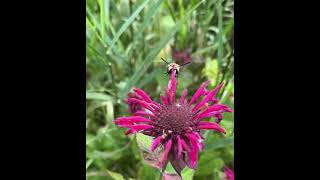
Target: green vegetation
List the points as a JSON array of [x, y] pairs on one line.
[[125, 40]]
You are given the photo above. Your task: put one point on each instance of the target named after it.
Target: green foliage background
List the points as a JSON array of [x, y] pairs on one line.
[[125, 40]]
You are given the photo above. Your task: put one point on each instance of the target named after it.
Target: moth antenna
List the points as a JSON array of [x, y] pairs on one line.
[[164, 60], [185, 63]]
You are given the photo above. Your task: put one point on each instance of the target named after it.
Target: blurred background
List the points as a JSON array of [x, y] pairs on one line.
[[125, 40]]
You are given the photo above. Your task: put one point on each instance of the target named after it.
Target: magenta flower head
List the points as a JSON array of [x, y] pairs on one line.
[[133, 106], [181, 57], [174, 124], [228, 173]]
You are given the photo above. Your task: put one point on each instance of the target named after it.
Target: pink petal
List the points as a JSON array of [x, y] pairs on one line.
[[217, 107], [179, 146], [134, 119], [166, 151], [138, 127], [159, 105], [199, 92], [172, 86], [164, 100], [214, 100], [155, 143], [184, 145], [197, 135], [183, 96], [229, 173], [217, 88], [208, 97], [217, 115], [211, 126], [143, 103], [143, 94], [130, 131], [193, 154], [195, 141], [144, 113], [168, 96], [154, 106]]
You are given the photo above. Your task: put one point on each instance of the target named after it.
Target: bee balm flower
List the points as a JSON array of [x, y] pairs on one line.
[[175, 124], [229, 174]]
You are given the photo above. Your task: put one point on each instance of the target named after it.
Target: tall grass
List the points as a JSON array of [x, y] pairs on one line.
[[125, 40]]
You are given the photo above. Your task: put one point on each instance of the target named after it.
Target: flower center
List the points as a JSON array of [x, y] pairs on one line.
[[175, 117]]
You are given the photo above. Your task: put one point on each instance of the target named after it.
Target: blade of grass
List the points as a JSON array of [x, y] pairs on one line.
[[169, 6], [88, 163], [104, 22], [109, 24], [183, 30], [128, 22], [110, 113], [114, 175], [147, 21], [102, 19], [99, 96], [150, 77], [155, 51], [221, 32], [88, 22]]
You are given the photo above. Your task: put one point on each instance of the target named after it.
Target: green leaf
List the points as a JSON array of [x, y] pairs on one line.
[[110, 112], [114, 175], [147, 172], [88, 163], [187, 173], [170, 169], [99, 96], [220, 143], [144, 141], [151, 158], [208, 162], [211, 70]]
